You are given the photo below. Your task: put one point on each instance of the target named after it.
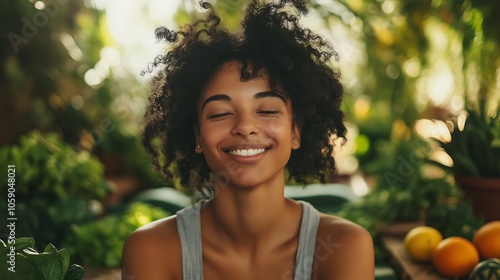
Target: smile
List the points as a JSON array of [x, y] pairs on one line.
[[247, 152]]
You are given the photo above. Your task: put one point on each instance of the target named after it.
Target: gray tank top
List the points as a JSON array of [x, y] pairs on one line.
[[189, 229]]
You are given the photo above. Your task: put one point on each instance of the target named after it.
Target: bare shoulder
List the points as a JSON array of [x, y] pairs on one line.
[[341, 228], [153, 252], [344, 250]]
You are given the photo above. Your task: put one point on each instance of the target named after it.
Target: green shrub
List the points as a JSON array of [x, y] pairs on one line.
[[54, 185], [100, 243]]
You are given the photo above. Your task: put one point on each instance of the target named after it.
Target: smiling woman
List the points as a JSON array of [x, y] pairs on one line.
[[232, 110]]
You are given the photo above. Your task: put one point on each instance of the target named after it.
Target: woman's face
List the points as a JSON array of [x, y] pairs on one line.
[[246, 131]]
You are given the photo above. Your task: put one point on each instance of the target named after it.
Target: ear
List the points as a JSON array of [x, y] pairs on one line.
[[295, 137], [198, 147]]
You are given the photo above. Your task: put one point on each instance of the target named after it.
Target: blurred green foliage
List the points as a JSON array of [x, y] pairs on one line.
[[99, 243], [454, 217], [49, 166], [38, 77], [402, 192], [57, 189], [54, 186], [404, 42], [43, 82]]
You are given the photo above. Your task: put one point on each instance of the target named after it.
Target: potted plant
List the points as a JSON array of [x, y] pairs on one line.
[[475, 151], [475, 144]]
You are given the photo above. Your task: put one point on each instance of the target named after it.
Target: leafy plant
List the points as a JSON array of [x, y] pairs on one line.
[[475, 149], [384, 206], [28, 264], [454, 217], [47, 165], [99, 243], [54, 186]]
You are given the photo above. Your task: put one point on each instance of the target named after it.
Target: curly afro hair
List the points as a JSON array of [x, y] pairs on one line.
[[270, 40]]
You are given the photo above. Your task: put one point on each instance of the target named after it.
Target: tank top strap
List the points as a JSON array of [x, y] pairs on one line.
[[189, 229], [307, 242]]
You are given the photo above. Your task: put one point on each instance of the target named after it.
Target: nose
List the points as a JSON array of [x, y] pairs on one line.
[[245, 125]]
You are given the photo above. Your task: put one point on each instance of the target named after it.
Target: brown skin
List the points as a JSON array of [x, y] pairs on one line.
[[249, 230]]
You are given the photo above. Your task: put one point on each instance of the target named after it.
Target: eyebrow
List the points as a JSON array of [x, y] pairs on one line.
[[265, 94], [259, 95]]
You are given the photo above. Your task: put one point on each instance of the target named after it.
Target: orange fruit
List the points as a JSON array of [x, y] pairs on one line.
[[487, 240], [421, 241], [455, 257]]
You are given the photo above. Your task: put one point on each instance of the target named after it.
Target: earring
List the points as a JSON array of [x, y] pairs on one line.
[[198, 146]]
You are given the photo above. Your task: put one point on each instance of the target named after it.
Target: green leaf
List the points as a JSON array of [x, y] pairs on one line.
[[24, 242], [50, 249], [53, 265], [25, 269], [29, 251], [465, 164]]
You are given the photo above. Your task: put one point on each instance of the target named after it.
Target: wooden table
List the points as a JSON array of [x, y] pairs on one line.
[[409, 269], [101, 273], [392, 238]]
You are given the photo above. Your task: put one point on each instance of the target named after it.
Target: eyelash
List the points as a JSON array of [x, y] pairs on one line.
[[218, 115], [270, 112], [267, 112]]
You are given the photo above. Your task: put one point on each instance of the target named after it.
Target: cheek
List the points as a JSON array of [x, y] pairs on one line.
[[211, 134], [278, 126]]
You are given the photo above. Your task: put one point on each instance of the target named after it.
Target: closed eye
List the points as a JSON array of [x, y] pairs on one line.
[[218, 115], [268, 112]]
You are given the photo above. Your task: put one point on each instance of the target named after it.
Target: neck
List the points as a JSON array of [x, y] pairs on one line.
[[250, 217]]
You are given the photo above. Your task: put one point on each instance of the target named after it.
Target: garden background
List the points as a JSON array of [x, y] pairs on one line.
[[72, 97]]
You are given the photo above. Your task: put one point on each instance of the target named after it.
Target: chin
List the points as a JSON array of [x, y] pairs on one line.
[[249, 181]]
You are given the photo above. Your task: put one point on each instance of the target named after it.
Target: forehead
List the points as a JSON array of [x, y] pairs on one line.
[[227, 80]]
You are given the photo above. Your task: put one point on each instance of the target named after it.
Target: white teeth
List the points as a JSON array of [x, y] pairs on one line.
[[247, 153]]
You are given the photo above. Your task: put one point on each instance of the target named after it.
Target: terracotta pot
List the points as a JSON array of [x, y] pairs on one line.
[[484, 194]]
